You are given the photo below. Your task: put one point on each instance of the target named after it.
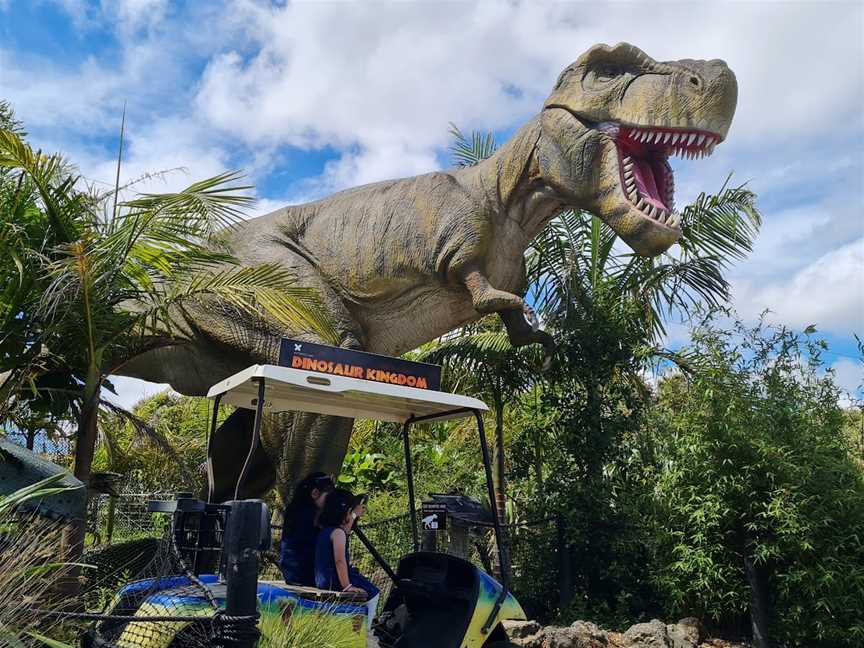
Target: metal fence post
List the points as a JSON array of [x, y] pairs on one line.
[[112, 507]]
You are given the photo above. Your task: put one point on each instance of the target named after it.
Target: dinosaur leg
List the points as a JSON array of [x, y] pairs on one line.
[[228, 450]]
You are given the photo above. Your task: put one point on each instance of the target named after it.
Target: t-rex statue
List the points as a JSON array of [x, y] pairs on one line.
[[401, 262]]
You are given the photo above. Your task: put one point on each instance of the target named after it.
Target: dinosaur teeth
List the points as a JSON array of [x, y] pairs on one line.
[[702, 138], [690, 140]]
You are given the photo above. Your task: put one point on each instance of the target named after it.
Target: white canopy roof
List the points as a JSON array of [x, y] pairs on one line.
[[288, 389]]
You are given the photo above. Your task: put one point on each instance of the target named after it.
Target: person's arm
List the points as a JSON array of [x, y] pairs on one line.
[[338, 539]]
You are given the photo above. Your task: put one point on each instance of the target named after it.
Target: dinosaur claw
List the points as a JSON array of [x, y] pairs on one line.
[[531, 317]]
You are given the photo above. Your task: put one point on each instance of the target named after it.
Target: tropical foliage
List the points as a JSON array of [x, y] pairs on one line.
[[92, 280], [28, 562], [756, 499], [730, 489]]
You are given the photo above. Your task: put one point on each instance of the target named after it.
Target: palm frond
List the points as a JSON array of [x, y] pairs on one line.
[[54, 185], [471, 151], [203, 207], [724, 225], [254, 290], [576, 254]]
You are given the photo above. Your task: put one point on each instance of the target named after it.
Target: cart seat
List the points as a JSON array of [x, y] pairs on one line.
[[319, 595]]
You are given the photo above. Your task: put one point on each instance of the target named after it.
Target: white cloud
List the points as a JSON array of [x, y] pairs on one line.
[[171, 144], [136, 14], [130, 391], [849, 375], [828, 293], [379, 76]]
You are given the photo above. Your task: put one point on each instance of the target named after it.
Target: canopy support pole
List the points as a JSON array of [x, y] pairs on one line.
[[210, 483], [496, 523], [256, 435], [409, 473]]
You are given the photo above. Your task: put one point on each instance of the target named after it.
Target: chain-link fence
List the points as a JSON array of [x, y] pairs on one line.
[[111, 520]]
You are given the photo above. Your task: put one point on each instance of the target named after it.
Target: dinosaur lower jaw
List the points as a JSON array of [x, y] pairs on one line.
[[643, 160]]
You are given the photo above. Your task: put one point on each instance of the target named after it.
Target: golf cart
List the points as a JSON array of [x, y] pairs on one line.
[[436, 601]]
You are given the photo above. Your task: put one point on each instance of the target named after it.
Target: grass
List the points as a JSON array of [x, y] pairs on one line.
[[309, 630], [29, 566]]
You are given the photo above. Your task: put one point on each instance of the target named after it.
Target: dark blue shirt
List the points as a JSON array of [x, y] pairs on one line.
[[297, 560]]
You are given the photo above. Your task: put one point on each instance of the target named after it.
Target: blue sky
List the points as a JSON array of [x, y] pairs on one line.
[[309, 98]]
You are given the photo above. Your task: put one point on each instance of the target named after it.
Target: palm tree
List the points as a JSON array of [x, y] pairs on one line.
[[479, 359], [102, 280], [577, 254], [578, 270]]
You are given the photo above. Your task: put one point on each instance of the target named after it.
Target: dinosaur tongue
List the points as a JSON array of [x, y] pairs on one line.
[[648, 181]]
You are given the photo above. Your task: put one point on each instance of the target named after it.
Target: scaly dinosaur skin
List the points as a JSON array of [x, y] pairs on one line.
[[401, 262]]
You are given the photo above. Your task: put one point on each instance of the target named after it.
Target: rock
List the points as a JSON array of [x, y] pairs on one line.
[[581, 634], [589, 635], [647, 635], [521, 629], [685, 634]]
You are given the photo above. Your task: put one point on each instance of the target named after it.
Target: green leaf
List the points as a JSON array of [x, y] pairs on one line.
[[51, 643]]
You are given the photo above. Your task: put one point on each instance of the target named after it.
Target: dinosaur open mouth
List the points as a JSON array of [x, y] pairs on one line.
[[643, 160]]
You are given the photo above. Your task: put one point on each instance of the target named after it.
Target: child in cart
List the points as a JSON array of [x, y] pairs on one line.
[[333, 569]]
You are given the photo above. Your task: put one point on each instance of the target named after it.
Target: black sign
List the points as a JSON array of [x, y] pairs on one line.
[[358, 364], [433, 517]]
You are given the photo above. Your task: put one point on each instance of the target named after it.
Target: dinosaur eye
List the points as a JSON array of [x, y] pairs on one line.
[[602, 74], [606, 74], [695, 82]]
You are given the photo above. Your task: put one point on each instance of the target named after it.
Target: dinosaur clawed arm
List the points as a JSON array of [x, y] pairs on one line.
[[487, 299], [519, 318]]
